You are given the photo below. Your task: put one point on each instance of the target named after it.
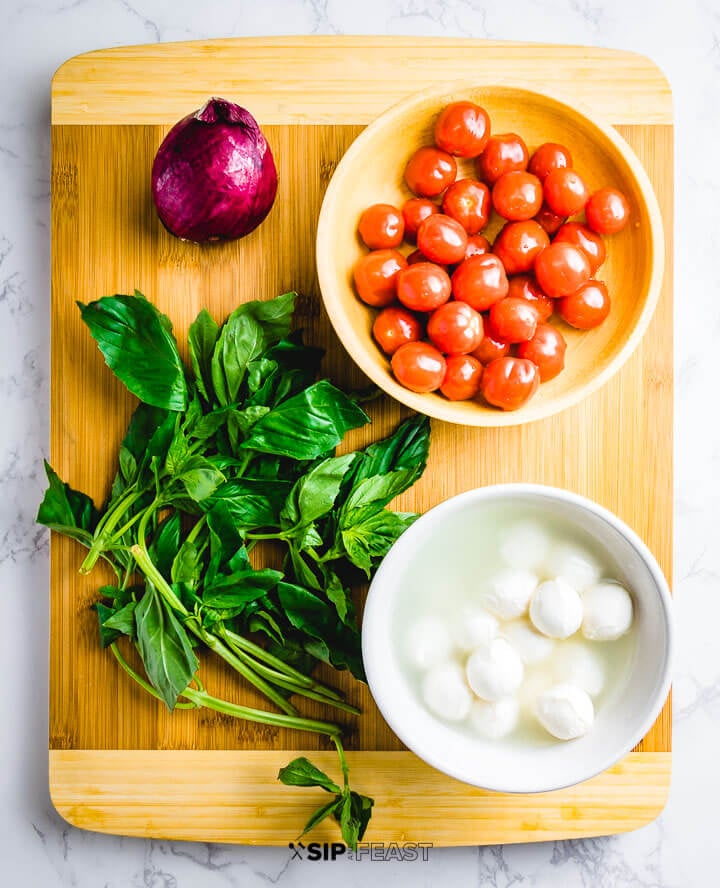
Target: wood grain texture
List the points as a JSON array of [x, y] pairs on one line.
[[616, 448], [225, 797], [342, 80]]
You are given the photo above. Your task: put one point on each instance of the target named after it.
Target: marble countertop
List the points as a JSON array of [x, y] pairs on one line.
[[37, 848]]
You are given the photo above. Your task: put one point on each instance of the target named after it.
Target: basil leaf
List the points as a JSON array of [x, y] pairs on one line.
[[308, 425], [379, 489], [302, 571], [302, 772], [354, 816], [373, 535], [186, 566], [169, 660], [202, 337], [322, 812], [251, 504], [122, 621], [406, 448], [107, 634], [314, 493], [200, 478], [240, 340], [139, 348], [339, 596], [66, 510], [165, 543]]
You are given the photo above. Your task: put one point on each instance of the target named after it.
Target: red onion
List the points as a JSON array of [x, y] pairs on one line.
[[214, 176]]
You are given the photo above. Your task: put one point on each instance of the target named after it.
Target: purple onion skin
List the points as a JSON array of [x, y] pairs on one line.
[[214, 177]]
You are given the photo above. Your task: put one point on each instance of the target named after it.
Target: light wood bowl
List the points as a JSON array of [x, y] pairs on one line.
[[371, 172]]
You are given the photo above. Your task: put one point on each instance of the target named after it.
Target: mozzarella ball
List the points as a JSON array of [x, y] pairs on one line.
[[427, 643], [576, 664], [494, 719], [495, 671], [507, 593], [608, 612], [473, 628], [574, 564], [556, 609], [565, 711], [530, 645], [446, 693], [525, 546], [534, 684]]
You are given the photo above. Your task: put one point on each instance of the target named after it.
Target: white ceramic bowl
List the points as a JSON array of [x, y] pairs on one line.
[[622, 720]]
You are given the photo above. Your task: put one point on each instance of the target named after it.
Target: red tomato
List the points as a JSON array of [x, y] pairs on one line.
[[375, 276], [519, 244], [463, 129], [509, 382], [548, 157], [561, 268], [607, 211], [381, 227], [419, 366], [480, 281], [587, 307], [455, 328], [442, 239], [394, 327], [565, 192], [550, 221], [468, 202], [415, 211], [590, 243], [517, 195], [477, 245], [522, 286], [546, 350], [490, 348], [430, 171], [513, 320], [423, 286], [502, 154], [462, 378]]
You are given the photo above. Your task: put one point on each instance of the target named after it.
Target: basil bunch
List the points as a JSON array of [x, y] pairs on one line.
[[237, 448]]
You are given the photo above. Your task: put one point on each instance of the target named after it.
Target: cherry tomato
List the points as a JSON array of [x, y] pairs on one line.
[[513, 320], [394, 327], [550, 221], [548, 157], [375, 275], [462, 378], [590, 243], [490, 348], [381, 227], [415, 211], [565, 192], [509, 382], [477, 245], [561, 268], [430, 171], [442, 239], [517, 195], [587, 307], [519, 244], [522, 286], [502, 154], [463, 129], [480, 281], [455, 328], [423, 286], [419, 366], [607, 211], [468, 202], [546, 350]]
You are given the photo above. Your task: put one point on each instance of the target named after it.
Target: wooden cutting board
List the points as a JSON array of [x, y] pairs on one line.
[[121, 763]]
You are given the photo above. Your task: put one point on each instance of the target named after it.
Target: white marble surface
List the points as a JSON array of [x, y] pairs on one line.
[[36, 847]]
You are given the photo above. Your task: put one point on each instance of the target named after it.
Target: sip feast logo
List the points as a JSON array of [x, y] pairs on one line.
[[375, 851], [317, 850]]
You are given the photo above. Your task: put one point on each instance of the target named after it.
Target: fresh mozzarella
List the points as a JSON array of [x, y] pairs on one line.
[[574, 662], [508, 592], [446, 693], [565, 711], [525, 546], [494, 719], [495, 671], [556, 609], [530, 645], [473, 627], [608, 612], [574, 564]]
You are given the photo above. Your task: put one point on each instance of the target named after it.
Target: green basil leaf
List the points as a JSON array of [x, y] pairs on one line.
[[123, 620], [339, 596], [371, 538], [322, 812], [240, 340], [302, 571], [138, 347], [309, 538], [186, 566], [302, 772], [354, 816], [314, 494], [177, 453], [202, 337], [200, 478], [167, 655], [166, 543], [378, 490], [406, 448], [107, 634], [66, 510], [308, 425]]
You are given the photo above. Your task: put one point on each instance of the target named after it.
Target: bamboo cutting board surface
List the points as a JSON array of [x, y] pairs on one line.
[[121, 763]]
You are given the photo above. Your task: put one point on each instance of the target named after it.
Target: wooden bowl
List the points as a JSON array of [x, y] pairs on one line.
[[372, 172]]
